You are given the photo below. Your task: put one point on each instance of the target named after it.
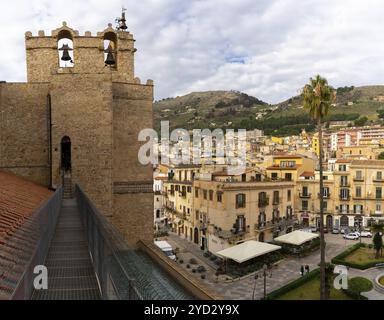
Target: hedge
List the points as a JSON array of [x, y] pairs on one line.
[[302, 280], [293, 285], [339, 259]]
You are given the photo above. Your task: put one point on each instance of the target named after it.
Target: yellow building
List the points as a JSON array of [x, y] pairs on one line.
[[316, 144]]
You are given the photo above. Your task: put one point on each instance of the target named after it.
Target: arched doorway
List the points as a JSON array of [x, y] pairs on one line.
[[344, 221], [329, 222], [261, 237], [66, 161], [196, 236]]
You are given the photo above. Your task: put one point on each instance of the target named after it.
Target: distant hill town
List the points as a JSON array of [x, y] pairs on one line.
[[355, 106]]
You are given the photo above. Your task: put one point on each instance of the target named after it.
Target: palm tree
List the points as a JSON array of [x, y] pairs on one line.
[[378, 239], [318, 97]]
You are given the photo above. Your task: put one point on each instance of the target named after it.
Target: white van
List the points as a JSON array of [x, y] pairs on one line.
[[166, 248]]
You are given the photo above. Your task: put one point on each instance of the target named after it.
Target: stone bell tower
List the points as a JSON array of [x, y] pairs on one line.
[[85, 110]]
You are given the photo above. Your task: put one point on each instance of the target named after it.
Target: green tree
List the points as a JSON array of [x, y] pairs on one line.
[[378, 239], [318, 97], [381, 156], [361, 122]]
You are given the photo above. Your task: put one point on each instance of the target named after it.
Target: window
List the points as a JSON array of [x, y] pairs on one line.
[[289, 195], [342, 167], [378, 208], [378, 192], [189, 189], [359, 175], [240, 200], [157, 199], [286, 164], [240, 224], [197, 215], [326, 192], [172, 189], [358, 192], [183, 191], [304, 205], [110, 41], [205, 194], [325, 206], [258, 177], [262, 219], [211, 195], [289, 212], [344, 208], [288, 177], [196, 192], [379, 175], [263, 199], [305, 191], [344, 181], [358, 208], [274, 176], [219, 196], [275, 197], [344, 194], [157, 214], [188, 211]]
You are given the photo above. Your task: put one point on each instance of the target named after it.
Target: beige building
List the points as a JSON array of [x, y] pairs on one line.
[[353, 192], [216, 208]]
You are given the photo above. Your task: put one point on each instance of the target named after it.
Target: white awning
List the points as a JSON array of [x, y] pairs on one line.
[[247, 250], [297, 237]]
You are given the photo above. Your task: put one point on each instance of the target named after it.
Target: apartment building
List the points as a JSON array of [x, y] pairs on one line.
[[216, 208], [353, 193]]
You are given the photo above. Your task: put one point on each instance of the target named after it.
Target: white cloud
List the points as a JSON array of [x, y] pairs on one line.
[[267, 48]]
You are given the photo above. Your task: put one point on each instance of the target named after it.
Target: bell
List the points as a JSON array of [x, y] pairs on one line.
[[66, 57], [122, 22], [110, 58]]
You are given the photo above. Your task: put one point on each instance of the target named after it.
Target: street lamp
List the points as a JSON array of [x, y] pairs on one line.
[[266, 272]]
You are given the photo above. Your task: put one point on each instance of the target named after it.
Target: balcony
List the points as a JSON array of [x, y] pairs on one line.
[[305, 195], [358, 179], [345, 185], [276, 201], [345, 198], [263, 202], [325, 196], [378, 179], [277, 222]]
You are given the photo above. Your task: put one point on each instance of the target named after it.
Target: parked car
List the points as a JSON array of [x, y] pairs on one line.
[[366, 234], [325, 230], [167, 249], [351, 236], [313, 228], [343, 230], [335, 231]]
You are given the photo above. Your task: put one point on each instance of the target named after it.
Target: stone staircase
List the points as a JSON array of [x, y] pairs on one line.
[[67, 187]]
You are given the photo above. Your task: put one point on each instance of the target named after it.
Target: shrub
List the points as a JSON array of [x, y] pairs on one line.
[[188, 266], [194, 270], [202, 276], [339, 259], [181, 261], [359, 284], [201, 269], [207, 254], [192, 261]]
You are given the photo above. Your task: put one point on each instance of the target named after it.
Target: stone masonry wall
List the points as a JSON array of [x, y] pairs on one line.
[[23, 131]]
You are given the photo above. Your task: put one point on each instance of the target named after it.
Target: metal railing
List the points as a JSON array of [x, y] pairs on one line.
[[40, 228], [121, 272]]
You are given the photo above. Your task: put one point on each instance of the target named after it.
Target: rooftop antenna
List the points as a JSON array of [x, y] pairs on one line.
[[121, 22]]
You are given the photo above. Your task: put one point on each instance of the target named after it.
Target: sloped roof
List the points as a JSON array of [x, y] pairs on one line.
[[19, 199]]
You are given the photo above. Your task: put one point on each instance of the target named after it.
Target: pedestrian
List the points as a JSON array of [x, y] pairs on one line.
[[307, 268], [302, 270]]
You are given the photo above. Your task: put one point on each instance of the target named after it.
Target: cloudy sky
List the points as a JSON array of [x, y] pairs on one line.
[[266, 48]]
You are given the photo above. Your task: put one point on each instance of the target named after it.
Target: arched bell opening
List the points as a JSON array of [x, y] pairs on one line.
[[110, 49], [65, 49]]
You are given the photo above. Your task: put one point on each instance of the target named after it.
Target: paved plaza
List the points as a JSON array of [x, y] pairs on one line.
[[284, 272]]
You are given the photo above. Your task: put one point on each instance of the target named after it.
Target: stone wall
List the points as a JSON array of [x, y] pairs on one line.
[[23, 131], [133, 182]]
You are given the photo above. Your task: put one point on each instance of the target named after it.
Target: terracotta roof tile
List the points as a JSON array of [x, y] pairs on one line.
[[19, 199]]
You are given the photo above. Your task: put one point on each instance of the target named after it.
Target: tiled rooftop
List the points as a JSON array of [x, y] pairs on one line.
[[19, 199]]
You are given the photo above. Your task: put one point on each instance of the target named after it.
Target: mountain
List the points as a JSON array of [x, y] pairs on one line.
[[207, 109], [233, 109]]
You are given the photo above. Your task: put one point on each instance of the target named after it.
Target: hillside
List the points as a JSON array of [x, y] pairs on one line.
[[232, 109], [208, 109]]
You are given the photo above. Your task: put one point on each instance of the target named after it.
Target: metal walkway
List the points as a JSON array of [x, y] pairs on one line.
[[71, 275]]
